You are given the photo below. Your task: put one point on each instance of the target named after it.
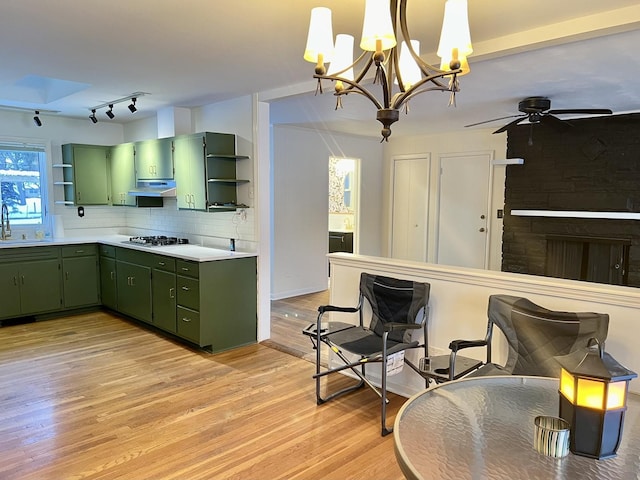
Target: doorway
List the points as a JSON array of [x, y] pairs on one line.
[[344, 196]]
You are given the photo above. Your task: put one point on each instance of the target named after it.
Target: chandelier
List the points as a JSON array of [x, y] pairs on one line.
[[401, 75]]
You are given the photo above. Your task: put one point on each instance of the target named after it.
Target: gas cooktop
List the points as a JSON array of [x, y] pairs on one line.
[[157, 241]]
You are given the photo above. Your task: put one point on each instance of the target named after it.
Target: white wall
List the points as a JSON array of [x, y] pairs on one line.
[[476, 140], [458, 307], [300, 204]]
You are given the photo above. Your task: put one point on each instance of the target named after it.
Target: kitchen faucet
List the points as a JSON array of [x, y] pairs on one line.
[[4, 219]]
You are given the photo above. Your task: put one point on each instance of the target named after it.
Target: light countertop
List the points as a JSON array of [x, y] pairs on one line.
[[195, 253]]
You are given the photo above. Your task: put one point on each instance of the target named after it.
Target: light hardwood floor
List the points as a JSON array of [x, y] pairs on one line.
[[97, 397]]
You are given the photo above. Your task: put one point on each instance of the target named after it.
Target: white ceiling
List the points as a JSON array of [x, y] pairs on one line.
[[580, 53]]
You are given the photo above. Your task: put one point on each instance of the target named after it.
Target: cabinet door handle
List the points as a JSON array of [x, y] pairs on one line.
[[66, 275], [113, 275], [185, 269], [162, 264], [79, 251], [22, 279], [186, 289], [15, 280], [133, 281], [185, 319], [172, 292]]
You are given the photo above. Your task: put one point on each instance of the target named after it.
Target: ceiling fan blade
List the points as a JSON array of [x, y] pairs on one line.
[[510, 124], [493, 120], [593, 111], [555, 122]]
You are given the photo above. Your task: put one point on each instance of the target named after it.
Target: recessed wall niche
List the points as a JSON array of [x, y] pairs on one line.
[[592, 165]]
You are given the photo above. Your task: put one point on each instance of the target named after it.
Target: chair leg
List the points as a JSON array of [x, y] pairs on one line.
[[383, 420]]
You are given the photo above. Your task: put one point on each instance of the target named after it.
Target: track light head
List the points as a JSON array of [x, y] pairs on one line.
[[37, 120], [132, 107], [110, 113], [93, 117]]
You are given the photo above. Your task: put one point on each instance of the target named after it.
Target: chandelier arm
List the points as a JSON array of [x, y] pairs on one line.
[[402, 97], [355, 88]]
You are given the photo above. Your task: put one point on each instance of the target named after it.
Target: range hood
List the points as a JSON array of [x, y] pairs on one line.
[[154, 188]]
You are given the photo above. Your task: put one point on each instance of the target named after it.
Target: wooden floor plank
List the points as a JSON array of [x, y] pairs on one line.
[[98, 397]]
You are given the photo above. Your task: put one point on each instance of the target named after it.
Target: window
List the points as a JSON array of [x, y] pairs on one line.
[[22, 183]]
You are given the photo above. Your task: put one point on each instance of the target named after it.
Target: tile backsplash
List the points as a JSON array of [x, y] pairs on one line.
[[201, 228]]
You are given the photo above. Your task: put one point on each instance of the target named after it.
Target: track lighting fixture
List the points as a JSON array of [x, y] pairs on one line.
[[37, 120], [132, 106]]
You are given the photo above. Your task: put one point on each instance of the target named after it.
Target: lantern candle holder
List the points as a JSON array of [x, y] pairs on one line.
[[593, 399]]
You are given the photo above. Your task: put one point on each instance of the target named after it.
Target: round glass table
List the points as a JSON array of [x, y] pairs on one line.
[[482, 428]]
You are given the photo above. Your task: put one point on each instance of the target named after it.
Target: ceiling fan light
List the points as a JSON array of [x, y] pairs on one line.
[[409, 69], [319, 47], [377, 29], [455, 38]]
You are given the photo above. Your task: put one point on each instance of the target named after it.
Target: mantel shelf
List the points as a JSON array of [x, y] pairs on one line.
[[577, 214]]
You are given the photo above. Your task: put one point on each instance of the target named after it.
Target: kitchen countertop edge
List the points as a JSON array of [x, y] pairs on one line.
[[196, 253]]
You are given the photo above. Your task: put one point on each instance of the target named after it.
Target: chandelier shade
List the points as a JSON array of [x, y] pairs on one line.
[[400, 72], [377, 29], [319, 47]]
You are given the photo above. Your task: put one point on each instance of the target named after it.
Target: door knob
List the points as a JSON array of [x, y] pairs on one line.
[[482, 229]]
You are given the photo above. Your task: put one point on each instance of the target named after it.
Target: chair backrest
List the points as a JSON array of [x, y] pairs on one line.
[[394, 300], [536, 335]]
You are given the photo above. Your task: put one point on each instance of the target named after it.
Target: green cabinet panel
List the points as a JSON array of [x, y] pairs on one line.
[[188, 154], [154, 159], [163, 284], [9, 290], [40, 286], [90, 173], [108, 286], [134, 290], [189, 324], [80, 276], [30, 281], [194, 158], [188, 292], [123, 174]]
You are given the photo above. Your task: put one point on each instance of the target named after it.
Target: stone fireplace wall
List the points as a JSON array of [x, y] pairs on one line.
[[592, 166]]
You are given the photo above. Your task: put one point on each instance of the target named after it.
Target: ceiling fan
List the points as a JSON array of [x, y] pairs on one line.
[[537, 110]]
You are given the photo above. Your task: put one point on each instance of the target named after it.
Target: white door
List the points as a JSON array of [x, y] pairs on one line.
[[410, 208], [462, 218]]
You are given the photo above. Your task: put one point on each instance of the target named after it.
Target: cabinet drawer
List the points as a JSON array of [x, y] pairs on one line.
[[166, 264], [107, 251], [136, 257], [79, 250], [189, 324], [190, 269], [188, 294]]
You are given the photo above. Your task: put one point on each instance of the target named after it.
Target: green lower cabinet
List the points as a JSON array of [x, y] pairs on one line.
[[134, 290], [10, 291], [40, 286], [163, 285], [108, 287], [217, 302], [189, 324], [80, 276]]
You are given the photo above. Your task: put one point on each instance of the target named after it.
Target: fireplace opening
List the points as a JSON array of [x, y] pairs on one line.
[[592, 259]]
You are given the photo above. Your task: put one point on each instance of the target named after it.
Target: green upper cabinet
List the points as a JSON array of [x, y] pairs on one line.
[[188, 154], [88, 183], [196, 169], [123, 174], [154, 159]]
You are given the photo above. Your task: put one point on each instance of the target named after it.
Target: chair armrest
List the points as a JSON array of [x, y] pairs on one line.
[[391, 326], [456, 345], [333, 308]]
